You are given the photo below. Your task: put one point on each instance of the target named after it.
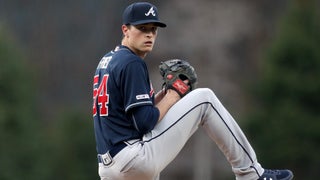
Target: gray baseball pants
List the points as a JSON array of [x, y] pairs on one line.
[[144, 160]]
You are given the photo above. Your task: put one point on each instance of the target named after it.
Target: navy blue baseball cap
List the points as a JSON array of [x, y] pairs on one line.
[[141, 13]]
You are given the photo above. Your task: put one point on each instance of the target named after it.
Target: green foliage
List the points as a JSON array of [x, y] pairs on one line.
[[285, 127], [17, 122], [30, 148], [72, 152]]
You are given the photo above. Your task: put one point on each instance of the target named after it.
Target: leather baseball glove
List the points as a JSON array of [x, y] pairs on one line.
[[175, 72]]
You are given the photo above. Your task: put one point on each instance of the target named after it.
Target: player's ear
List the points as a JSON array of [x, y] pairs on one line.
[[125, 29]]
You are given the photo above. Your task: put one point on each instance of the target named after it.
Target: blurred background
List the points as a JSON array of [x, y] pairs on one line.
[[262, 59]]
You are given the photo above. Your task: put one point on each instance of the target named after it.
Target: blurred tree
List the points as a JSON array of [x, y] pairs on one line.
[[18, 125], [72, 150], [285, 126], [30, 148]]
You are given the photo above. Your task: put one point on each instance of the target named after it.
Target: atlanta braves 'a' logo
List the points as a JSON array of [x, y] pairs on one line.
[[151, 11]]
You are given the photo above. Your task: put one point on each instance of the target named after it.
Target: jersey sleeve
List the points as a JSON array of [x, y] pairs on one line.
[[136, 86], [144, 118]]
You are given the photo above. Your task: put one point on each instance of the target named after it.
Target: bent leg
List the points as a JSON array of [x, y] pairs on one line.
[[169, 136], [226, 133], [199, 107]]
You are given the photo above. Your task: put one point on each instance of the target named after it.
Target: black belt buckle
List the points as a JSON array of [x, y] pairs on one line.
[[105, 159]]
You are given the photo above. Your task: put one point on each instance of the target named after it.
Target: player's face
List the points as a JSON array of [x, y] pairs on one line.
[[141, 38]]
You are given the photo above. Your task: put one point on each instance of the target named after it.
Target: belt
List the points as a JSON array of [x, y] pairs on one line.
[[107, 158]]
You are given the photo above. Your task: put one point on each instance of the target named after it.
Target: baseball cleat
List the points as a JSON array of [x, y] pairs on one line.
[[270, 174]]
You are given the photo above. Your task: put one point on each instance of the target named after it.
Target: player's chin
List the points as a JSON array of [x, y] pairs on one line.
[[147, 48]]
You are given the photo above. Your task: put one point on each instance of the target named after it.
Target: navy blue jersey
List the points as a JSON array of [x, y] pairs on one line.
[[121, 84]]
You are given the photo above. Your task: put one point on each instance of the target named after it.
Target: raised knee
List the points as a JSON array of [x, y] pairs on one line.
[[203, 93]]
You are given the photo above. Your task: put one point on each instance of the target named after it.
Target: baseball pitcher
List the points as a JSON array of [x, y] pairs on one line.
[[138, 133]]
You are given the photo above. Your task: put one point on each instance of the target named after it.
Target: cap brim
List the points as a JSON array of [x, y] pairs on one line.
[[157, 23]]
